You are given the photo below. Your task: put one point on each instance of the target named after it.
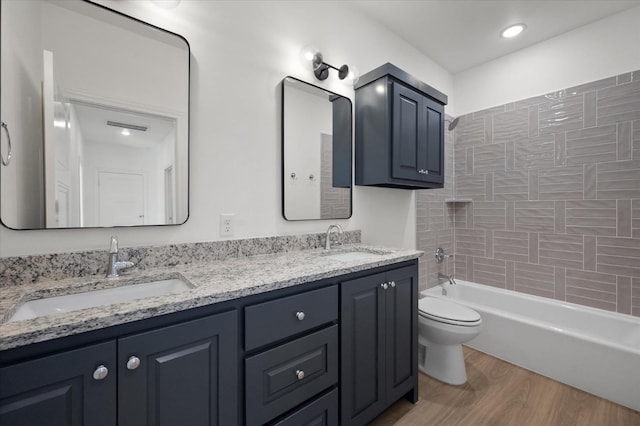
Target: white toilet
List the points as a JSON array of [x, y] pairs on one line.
[[443, 327]]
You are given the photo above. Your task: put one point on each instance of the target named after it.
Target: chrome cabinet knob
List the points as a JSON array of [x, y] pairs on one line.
[[392, 284], [133, 363], [101, 373], [300, 374], [300, 315], [384, 286]]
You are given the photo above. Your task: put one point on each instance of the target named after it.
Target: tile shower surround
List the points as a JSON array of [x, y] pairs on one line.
[[555, 184]]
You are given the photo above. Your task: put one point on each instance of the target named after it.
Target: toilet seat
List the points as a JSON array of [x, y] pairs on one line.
[[447, 312]]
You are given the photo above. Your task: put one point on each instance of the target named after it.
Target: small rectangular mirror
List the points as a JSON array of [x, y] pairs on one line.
[[316, 152], [97, 107]]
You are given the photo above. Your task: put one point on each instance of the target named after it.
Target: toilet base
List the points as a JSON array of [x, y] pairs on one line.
[[445, 363]]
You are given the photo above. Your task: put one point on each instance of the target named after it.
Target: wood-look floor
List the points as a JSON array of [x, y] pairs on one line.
[[499, 393]]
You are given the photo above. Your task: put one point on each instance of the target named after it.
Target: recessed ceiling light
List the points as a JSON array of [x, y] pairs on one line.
[[512, 30], [125, 132]]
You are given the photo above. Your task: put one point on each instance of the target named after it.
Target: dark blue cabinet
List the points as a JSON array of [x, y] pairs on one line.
[[399, 131], [176, 375], [378, 343], [183, 374], [335, 351], [71, 388]]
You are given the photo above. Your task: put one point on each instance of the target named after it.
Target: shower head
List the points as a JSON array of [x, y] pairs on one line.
[[452, 123]]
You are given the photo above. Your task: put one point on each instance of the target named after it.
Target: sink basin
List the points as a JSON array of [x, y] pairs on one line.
[[349, 256], [73, 302]]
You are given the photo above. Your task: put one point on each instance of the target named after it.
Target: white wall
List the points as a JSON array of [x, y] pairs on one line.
[[602, 49], [240, 53], [104, 61]]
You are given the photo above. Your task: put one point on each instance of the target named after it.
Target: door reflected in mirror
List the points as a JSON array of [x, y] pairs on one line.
[[97, 104], [316, 151]]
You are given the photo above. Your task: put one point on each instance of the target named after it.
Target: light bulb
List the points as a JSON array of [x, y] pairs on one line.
[[311, 57], [512, 30], [353, 76]]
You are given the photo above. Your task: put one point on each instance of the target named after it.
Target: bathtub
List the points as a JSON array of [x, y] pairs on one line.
[[591, 349]]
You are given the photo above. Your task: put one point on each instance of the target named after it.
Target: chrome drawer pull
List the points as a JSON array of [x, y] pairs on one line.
[[393, 283], [384, 286], [100, 373], [300, 374], [300, 315]]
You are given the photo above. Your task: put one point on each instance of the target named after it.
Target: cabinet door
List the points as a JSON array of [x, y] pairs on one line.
[[60, 390], [431, 143], [407, 143], [187, 374], [401, 332], [362, 349]]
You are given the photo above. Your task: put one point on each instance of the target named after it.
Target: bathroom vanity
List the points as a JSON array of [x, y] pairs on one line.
[[327, 337]]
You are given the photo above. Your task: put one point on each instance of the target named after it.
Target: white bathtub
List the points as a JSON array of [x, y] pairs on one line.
[[594, 350]]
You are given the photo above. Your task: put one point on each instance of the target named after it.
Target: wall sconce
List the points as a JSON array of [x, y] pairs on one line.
[[313, 59]]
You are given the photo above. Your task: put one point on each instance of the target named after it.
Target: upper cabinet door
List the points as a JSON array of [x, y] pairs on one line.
[[431, 145], [408, 143]]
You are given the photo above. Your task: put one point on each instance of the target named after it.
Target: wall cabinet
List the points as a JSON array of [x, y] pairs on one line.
[[378, 344], [174, 375], [399, 131]]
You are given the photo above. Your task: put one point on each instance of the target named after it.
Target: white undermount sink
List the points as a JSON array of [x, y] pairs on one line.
[[73, 302], [348, 256]]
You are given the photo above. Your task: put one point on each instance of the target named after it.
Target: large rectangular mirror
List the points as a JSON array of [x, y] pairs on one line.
[[316, 152], [96, 105]]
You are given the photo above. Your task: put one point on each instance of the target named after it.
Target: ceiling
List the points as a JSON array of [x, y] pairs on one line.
[[93, 123], [461, 34]]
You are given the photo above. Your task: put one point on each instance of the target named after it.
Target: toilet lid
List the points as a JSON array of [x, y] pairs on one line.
[[445, 311]]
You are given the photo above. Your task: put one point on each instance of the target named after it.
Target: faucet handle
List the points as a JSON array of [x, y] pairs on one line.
[[441, 255], [113, 248]]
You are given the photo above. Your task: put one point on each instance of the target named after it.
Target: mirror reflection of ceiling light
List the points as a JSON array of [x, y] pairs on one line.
[[125, 132], [512, 30]]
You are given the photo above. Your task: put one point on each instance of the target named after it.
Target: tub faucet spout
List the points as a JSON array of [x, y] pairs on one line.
[[448, 278]]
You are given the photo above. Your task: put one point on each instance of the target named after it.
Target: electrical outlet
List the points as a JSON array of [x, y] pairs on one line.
[[226, 224]]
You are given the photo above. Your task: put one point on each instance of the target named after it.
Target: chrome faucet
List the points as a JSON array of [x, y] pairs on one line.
[[441, 255], [114, 265], [451, 280], [327, 244]]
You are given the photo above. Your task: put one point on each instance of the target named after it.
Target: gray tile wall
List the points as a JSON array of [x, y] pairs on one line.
[[334, 202], [435, 217], [555, 188]]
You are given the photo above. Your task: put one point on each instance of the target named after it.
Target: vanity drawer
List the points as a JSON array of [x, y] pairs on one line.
[[322, 411], [281, 378], [278, 319]]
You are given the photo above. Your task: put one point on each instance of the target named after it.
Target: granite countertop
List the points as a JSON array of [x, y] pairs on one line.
[[212, 282]]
